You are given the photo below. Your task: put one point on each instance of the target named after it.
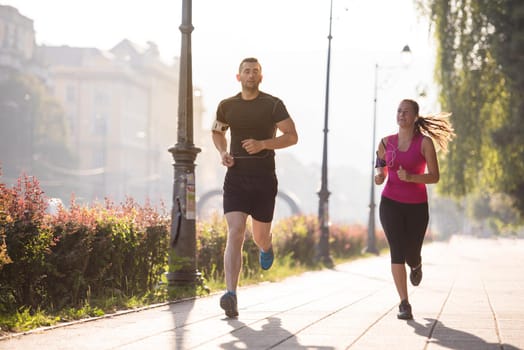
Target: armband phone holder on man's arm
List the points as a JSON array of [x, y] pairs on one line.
[[219, 126]]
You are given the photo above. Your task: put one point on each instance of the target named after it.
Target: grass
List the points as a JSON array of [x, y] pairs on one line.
[[24, 320]]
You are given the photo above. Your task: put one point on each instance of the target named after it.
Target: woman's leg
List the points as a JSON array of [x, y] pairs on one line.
[[416, 225], [400, 279], [392, 219]]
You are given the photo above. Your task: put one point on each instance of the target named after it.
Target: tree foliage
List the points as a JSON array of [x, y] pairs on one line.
[[33, 131], [480, 70]]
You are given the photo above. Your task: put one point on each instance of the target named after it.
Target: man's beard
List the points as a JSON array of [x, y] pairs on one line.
[[251, 87]]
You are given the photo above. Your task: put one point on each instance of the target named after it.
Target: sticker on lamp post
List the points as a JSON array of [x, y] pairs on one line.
[[190, 197], [326, 214]]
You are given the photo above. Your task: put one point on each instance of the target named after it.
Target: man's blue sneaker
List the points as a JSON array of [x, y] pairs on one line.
[[266, 258], [228, 302]]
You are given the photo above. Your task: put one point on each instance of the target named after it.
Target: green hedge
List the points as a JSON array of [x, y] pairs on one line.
[[56, 261], [53, 261]]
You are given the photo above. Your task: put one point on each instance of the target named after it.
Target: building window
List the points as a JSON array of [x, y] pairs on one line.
[[70, 94], [71, 120], [9, 39], [99, 158], [99, 124], [3, 35], [101, 99]]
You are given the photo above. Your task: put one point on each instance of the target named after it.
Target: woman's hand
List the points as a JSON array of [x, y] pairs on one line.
[[379, 179], [403, 174]]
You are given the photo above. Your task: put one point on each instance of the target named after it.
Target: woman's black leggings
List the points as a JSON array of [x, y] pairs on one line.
[[405, 226]]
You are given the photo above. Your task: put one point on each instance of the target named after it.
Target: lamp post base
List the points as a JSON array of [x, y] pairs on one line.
[[184, 278], [326, 260], [371, 250]]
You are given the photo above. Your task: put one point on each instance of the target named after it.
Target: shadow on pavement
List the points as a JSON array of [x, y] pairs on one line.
[[248, 338], [179, 320], [453, 338]]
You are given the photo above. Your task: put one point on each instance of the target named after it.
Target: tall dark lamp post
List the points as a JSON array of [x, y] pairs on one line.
[[182, 256], [323, 194], [371, 244]]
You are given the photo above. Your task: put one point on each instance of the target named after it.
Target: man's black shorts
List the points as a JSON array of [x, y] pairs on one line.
[[253, 195]]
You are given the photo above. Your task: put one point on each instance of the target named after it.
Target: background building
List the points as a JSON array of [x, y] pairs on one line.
[[17, 40], [120, 106], [111, 116], [119, 112]]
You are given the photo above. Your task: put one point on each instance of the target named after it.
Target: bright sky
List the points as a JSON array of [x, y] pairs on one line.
[[289, 37]]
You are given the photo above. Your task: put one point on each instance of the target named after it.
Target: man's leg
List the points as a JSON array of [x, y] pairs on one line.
[[236, 222], [262, 237], [262, 234], [262, 211]]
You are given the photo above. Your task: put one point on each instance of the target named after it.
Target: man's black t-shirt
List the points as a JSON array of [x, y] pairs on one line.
[[252, 119]]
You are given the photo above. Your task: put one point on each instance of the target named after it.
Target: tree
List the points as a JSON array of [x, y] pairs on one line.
[[33, 132], [480, 70]]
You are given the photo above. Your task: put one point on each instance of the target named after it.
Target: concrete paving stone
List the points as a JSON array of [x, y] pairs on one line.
[[513, 342], [467, 322], [465, 333], [462, 345], [385, 343], [511, 324], [315, 342]]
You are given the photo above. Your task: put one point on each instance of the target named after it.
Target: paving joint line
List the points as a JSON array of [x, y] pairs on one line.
[[326, 316], [495, 320], [283, 311], [432, 329]]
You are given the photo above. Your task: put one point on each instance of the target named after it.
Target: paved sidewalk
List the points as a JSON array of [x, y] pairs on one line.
[[471, 298]]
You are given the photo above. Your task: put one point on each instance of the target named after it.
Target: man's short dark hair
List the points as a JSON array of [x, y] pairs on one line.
[[250, 60]]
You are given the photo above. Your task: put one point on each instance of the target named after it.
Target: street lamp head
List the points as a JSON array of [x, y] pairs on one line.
[[406, 55]]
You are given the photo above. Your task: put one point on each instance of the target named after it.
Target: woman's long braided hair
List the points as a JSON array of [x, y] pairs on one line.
[[438, 126]]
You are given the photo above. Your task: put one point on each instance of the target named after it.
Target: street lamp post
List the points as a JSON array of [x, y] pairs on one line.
[[323, 194], [371, 244], [182, 254]]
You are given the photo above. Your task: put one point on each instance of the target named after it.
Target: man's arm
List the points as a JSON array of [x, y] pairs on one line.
[[288, 138], [220, 141]]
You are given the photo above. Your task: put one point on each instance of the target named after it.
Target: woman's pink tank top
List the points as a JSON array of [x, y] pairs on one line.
[[413, 162]]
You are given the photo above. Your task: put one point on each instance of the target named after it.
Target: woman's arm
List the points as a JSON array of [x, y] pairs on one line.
[[432, 175], [381, 168]]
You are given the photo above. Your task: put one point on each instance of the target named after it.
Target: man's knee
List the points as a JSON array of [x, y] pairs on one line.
[[236, 236]]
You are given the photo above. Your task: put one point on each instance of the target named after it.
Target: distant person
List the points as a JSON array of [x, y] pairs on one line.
[[408, 159], [250, 184]]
